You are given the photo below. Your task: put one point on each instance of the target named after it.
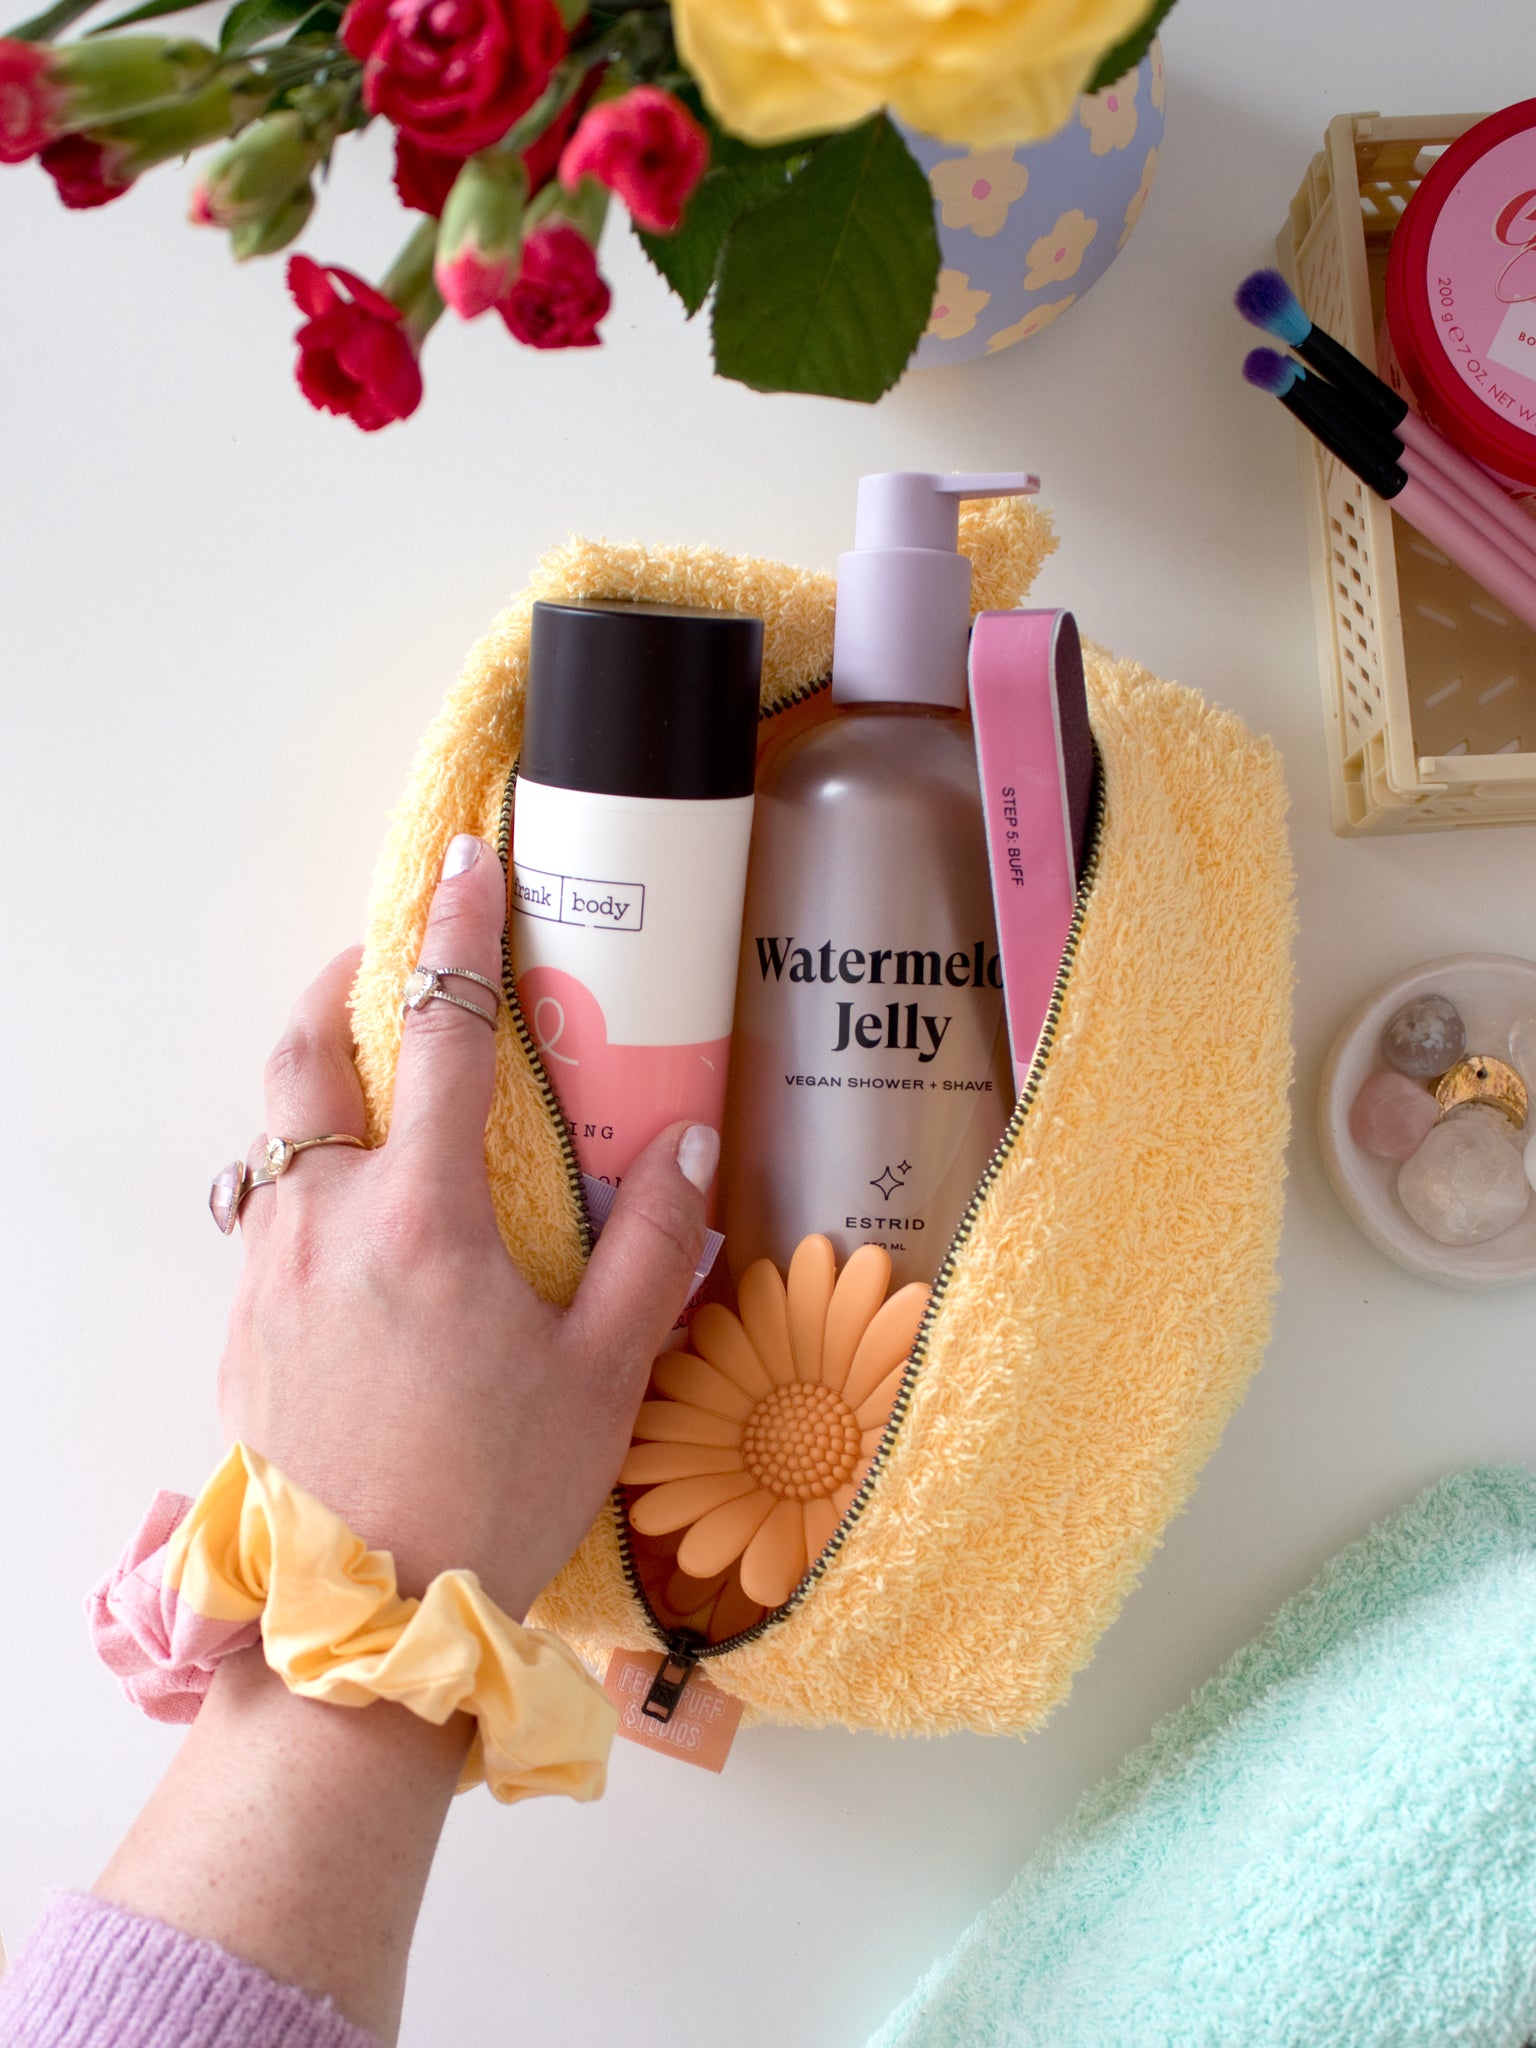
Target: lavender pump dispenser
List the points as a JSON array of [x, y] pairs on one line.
[[870, 1077]]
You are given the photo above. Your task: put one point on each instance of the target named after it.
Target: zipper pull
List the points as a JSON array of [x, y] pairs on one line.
[[678, 1665]]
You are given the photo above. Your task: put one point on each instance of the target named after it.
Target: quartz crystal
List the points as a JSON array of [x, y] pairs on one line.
[[224, 1195], [1522, 1049], [1392, 1115], [1466, 1181], [1424, 1037]]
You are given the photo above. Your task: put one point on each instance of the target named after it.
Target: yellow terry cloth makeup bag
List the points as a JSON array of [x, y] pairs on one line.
[[1110, 1293]]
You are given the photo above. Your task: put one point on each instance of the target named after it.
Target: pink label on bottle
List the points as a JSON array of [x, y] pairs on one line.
[[1482, 280], [615, 1098]]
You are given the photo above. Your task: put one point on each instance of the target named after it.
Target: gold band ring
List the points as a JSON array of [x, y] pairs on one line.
[[227, 1195]]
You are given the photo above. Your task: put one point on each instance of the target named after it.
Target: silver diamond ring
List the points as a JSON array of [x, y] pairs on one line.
[[424, 985]]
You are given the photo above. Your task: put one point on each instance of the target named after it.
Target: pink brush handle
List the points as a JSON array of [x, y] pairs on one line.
[[1455, 499], [1458, 538], [1414, 431]]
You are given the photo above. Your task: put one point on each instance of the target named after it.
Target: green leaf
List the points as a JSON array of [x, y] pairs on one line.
[[828, 286], [42, 28], [150, 11], [689, 258], [1128, 52], [730, 151], [250, 22], [322, 21]]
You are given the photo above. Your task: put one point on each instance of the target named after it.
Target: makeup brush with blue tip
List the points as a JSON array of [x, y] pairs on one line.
[[1363, 445], [1265, 300], [1369, 434]]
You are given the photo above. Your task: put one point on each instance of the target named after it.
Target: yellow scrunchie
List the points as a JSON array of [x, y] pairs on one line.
[[335, 1628]]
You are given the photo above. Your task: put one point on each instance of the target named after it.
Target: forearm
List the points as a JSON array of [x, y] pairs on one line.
[[298, 1836]]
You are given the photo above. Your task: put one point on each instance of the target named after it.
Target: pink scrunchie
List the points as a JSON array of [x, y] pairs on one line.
[[162, 1652]]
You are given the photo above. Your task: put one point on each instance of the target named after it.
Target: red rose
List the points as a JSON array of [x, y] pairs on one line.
[[647, 148], [31, 103], [559, 297], [87, 172], [454, 75], [355, 356], [424, 177]]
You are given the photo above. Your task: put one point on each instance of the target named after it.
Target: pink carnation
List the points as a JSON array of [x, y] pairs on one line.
[[647, 148], [31, 104], [559, 297], [87, 172], [355, 357], [474, 280]]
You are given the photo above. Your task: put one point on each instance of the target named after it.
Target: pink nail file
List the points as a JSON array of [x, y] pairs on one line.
[[1036, 756]]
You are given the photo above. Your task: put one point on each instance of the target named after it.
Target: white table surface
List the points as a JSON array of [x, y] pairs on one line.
[[226, 619]]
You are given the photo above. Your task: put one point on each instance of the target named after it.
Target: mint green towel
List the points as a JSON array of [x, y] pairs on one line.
[[1332, 1846]]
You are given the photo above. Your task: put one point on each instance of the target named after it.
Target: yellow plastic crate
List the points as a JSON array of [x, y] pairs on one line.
[[1429, 685]]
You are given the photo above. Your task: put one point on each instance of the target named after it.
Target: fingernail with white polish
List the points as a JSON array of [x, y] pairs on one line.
[[698, 1154], [462, 853]]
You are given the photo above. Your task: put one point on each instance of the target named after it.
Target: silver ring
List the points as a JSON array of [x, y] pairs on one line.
[[226, 1198], [424, 985]]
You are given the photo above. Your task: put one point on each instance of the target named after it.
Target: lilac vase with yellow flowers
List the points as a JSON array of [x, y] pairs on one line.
[[1024, 233]]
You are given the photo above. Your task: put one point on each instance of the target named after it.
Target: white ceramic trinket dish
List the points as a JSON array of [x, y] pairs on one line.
[[1493, 992]]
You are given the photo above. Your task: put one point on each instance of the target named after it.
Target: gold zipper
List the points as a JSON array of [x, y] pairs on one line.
[[797, 695], [684, 1647], [525, 1036], [994, 1166]]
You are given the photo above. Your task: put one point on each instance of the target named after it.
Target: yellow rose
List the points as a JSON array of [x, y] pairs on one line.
[[980, 72]]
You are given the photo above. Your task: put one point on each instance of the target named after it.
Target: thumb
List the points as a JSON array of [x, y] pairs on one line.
[[642, 1267], [447, 1065]]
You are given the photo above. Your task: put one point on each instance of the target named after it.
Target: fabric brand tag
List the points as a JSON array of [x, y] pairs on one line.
[[699, 1729]]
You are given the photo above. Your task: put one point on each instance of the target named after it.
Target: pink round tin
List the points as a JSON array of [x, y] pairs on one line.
[[1461, 294]]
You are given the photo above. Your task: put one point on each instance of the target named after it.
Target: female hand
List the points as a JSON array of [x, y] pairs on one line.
[[384, 1352]]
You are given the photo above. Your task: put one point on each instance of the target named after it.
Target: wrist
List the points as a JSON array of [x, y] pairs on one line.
[[297, 1835], [423, 1552], [256, 1557], [246, 1691]]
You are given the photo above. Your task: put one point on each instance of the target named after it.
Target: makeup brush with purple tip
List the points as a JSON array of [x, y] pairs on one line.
[[1268, 370], [1364, 446], [1265, 300]]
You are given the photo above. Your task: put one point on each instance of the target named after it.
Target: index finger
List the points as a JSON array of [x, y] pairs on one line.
[[311, 1079]]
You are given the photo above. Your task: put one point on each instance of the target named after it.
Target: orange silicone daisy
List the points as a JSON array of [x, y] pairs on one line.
[[757, 1438]]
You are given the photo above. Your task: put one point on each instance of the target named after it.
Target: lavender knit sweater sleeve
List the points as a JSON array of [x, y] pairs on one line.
[[92, 1976]]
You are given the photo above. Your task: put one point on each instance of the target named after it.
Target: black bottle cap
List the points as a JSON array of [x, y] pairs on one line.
[[643, 700]]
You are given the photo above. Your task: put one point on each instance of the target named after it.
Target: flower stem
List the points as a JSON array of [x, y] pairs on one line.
[[286, 68], [42, 28], [410, 275]]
